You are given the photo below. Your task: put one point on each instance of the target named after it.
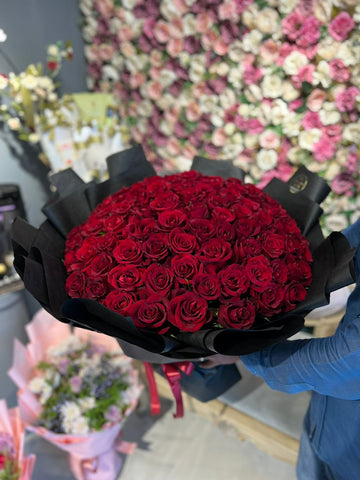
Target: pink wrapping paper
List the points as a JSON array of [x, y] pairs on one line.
[[93, 456], [10, 423]]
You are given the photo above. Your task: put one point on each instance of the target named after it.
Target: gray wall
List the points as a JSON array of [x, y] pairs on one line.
[[31, 25]]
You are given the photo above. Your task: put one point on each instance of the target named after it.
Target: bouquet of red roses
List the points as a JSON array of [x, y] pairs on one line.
[[188, 251], [184, 266]]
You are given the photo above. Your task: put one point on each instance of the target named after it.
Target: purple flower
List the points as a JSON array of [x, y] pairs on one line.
[[192, 45], [75, 383], [113, 414]]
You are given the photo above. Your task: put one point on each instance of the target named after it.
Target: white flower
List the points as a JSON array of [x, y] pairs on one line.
[[29, 82], [253, 93], [348, 54], [251, 141], [80, 426], [328, 48], [227, 98], [14, 123], [184, 59], [145, 108], [272, 86], [36, 385], [279, 112], [229, 129], [294, 62], [351, 133], [110, 73], [70, 411], [287, 6], [246, 110], [235, 77], [232, 150], [336, 223], [267, 20], [332, 169], [189, 24], [115, 24], [45, 394], [322, 74], [249, 16], [307, 138], [3, 36], [4, 82], [166, 77], [235, 51], [197, 71], [328, 114], [207, 103], [217, 117], [53, 50], [289, 93], [168, 9], [221, 69], [34, 138], [251, 41], [322, 10], [165, 101], [129, 4], [266, 159], [117, 61], [87, 403]]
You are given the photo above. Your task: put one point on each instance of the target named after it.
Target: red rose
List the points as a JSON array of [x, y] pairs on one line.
[[240, 315], [75, 238], [280, 271], [300, 272], [294, 293], [225, 214], [172, 219], [106, 242], [225, 231], [126, 277], [202, 228], [233, 280], [181, 242], [259, 272], [206, 285], [270, 301], [116, 223], [119, 301], [75, 284], [156, 247], [164, 202], [128, 251], [273, 244], [185, 267], [101, 264], [188, 312], [158, 279], [140, 228], [150, 313], [216, 250], [249, 247], [96, 288]]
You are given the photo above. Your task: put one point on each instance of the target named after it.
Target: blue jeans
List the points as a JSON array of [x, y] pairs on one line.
[[309, 465]]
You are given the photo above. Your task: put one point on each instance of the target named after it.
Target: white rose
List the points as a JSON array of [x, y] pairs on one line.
[[229, 129], [235, 77], [184, 59], [166, 78], [166, 128], [272, 86], [217, 117], [289, 92], [70, 410], [294, 62], [251, 140], [253, 93], [80, 426], [165, 101], [356, 14], [294, 155], [287, 6], [117, 61], [322, 74], [221, 69], [227, 98], [347, 54], [266, 159], [111, 73], [256, 174], [332, 169], [328, 114], [307, 138], [351, 133], [279, 112], [168, 9], [189, 24], [185, 98], [336, 223], [267, 20], [250, 15], [237, 139], [53, 50], [235, 52], [36, 385], [13, 123], [207, 103], [196, 72], [231, 150], [328, 48], [129, 4], [115, 24], [245, 110], [251, 41]]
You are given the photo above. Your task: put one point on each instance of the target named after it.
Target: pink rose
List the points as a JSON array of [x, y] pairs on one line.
[[311, 120], [269, 52], [333, 131], [295, 104], [161, 31], [285, 51], [174, 47], [324, 149], [220, 47], [154, 90], [172, 115], [341, 26], [193, 112], [189, 151], [203, 22], [254, 126], [352, 161], [283, 172], [339, 71], [173, 146], [346, 98], [181, 6], [136, 80], [252, 74], [269, 139], [343, 184], [208, 39], [316, 99], [305, 74], [309, 32], [125, 34], [228, 11], [106, 51], [292, 24], [218, 137]]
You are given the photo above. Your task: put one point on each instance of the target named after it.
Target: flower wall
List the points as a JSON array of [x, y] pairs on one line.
[[270, 85]]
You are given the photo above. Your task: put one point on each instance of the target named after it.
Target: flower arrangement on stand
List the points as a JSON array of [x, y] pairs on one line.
[[72, 130], [14, 465], [76, 390], [271, 85]]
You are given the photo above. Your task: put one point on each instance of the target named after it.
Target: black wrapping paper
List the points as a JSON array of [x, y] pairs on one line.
[[38, 259]]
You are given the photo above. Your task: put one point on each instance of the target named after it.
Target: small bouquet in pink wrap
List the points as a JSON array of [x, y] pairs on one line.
[[76, 389], [14, 465]]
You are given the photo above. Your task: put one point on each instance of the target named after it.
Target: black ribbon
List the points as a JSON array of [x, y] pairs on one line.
[[39, 252]]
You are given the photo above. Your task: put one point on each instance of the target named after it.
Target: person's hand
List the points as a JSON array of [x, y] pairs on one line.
[[216, 360]]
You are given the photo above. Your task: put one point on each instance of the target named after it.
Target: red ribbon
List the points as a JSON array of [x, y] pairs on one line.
[[154, 395], [172, 372]]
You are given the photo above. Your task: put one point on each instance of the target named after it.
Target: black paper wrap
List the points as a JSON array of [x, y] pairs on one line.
[[39, 252]]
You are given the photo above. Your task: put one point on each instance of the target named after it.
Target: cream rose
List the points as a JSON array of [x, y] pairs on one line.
[[253, 93], [328, 114], [289, 92], [251, 41], [348, 54], [231, 150], [250, 15], [227, 98], [229, 129], [279, 112], [217, 117], [322, 74], [269, 140], [145, 108], [235, 52], [14, 123], [251, 141], [272, 86], [235, 77], [267, 21], [294, 62], [208, 103], [266, 159], [328, 48], [307, 138], [351, 133], [287, 6], [189, 24]]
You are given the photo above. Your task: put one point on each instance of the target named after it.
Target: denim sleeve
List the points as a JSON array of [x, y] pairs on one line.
[[329, 366]]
